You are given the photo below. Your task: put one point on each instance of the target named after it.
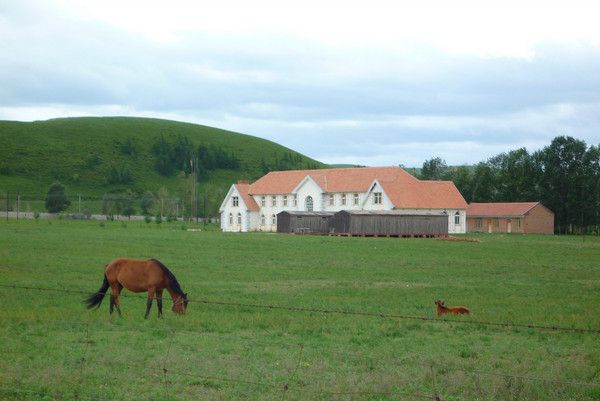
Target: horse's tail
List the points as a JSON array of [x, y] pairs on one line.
[[96, 298]]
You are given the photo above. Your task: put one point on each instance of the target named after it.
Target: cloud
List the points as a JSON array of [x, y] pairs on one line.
[[375, 85]]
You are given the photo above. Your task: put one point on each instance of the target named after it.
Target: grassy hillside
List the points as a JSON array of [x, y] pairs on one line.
[[82, 152]]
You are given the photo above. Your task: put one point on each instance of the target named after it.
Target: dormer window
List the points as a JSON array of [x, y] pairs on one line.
[[377, 198], [235, 201]]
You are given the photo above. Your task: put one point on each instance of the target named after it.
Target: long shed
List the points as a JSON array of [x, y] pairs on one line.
[[363, 222], [304, 222]]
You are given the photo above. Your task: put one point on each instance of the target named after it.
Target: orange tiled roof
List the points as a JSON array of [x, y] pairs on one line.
[[248, 200], [425, 195], [404, 190], [500, 208], [330, 180]]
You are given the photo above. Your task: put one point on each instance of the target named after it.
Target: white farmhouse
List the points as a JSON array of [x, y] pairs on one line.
[[254, 207]]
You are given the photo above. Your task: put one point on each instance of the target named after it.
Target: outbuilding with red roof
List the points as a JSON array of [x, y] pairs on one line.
[[510, 217]]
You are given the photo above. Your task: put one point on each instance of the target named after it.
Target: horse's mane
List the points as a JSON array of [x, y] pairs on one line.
[[173, 283]]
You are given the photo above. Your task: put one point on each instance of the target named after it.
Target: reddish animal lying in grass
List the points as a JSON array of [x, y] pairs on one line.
[[457, 310]]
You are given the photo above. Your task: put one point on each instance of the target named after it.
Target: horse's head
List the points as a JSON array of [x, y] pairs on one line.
[[439, 302], [180, 304]]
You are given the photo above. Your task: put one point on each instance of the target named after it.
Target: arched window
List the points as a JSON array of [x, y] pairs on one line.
[[457, 218], [230, 218], [239, 218], [309, 204], [263, 220], [273, 219]]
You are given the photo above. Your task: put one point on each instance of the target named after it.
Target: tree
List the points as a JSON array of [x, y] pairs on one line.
[[125, 202], [56, 199], [563, 181], [483, 186], [147, 202], [433, 169], [163, 150], [109, 205], [516, 176]]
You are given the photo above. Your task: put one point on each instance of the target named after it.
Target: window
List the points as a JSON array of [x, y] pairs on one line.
[[274, 220], [273, 201], [263, 220], [518, 223], [263, 201], [478, 223], [457, 218], [355, 199], [239, 218], [343, 199], [230, 218], [496, 222], [309, 204], [377, 199], [284, 200], [295, 200], [236, 201], [331, 199]]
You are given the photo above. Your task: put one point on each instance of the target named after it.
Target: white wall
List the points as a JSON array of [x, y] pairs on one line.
[[309, 188], [228, 208]]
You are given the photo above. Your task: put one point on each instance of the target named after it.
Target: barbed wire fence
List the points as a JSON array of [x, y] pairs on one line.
[[291, 384], [110, 206]]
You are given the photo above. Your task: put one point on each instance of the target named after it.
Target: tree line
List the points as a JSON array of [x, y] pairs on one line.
[[564, 176], [176, 154]]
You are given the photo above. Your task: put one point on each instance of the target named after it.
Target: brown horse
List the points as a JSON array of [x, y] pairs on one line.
[[139, 276], [457, 310]]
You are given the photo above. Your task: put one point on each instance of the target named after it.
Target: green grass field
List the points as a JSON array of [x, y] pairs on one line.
[[53, 348]]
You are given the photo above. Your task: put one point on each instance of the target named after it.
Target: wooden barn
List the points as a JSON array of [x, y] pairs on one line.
[[388, 223], [304, 222]]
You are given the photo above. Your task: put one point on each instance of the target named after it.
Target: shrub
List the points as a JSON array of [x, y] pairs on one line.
[[56, 199], [147, 202]]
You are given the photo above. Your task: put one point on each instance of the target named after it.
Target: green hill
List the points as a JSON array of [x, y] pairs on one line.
[[99, 155]]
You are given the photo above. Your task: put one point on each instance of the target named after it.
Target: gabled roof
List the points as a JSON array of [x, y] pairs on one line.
[[403, 190], [425, 195], [500, 208], [330, 180], [248, 200]]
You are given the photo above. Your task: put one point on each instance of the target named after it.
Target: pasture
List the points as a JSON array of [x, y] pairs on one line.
[[54, 348]]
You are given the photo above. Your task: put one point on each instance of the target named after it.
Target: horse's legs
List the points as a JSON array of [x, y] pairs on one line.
[[159, 302], [112, 303], [151, 292], [114, 298]]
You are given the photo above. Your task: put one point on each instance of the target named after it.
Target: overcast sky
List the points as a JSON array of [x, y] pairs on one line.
[[363, 82]]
